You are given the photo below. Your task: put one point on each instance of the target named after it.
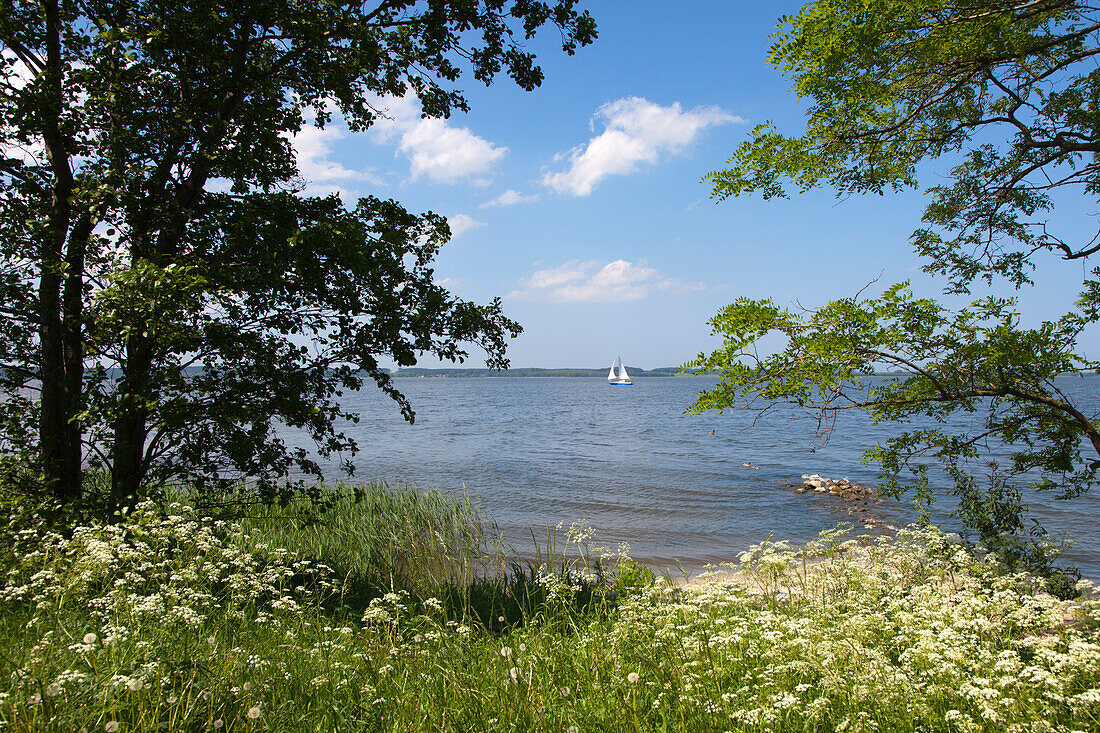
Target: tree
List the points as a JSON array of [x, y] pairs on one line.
[[1008, 90], [159, 325]]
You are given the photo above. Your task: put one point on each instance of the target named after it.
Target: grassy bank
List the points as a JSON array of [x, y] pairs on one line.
[[389, 536], [175, 621]]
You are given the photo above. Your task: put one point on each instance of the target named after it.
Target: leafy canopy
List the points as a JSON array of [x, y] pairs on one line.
[[1007, 88], [1007, 92], [170, 296], [976, 359]]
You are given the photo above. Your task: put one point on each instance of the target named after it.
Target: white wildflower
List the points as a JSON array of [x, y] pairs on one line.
[[784, 700]]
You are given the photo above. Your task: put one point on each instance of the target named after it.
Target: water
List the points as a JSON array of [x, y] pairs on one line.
[[536, 452]]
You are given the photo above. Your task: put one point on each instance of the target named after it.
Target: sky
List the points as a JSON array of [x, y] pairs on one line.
[[581, 204]]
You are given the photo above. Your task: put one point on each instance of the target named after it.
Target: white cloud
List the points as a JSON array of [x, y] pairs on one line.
[[590, 281], [461, 223], [312, 147], [322, 190], [510, 198], [434, 148], [636, 131], [322, 176]]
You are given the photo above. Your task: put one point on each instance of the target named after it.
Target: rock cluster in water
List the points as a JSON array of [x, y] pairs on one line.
[[837, 487]]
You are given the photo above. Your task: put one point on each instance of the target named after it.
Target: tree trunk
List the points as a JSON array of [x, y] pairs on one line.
[[62, 362], [130, 427], [53, 425], [136, 392], [72, 340], [60, 451]]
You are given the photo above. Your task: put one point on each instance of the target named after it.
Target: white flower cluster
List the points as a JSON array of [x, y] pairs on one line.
[[913, 625], [140, 589]]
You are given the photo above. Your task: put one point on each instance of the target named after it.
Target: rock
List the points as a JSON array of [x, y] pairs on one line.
[[843, 488]]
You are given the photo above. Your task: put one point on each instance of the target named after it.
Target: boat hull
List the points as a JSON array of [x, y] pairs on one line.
[[620, 384]]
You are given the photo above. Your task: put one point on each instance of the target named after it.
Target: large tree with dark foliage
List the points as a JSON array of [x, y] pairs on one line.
[[160, 326], [1008, 91]]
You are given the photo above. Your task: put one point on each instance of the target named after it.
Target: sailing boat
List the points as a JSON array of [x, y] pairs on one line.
[[618, 374]]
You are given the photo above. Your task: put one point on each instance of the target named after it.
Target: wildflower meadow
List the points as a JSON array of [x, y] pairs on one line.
[[173, 619]]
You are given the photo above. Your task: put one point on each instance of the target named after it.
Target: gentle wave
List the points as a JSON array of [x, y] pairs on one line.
[[536, 452]]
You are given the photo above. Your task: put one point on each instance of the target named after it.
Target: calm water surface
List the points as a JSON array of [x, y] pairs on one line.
[[536, 452]]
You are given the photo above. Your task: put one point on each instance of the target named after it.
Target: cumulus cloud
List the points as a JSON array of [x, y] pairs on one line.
[[510, 198], [636, 131], [462, 223], [434, 148], [312, 147], [591, 281]]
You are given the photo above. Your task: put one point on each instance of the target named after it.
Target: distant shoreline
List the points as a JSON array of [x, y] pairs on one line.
[[532, 372], [544, 373]]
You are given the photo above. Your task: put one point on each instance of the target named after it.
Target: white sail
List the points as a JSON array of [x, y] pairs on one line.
[[618, 374]]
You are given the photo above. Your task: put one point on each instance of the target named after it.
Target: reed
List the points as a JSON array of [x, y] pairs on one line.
[[379, 537]]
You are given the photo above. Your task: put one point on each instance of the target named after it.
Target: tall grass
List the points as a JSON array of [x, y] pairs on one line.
[[379, 537], [175, 621]]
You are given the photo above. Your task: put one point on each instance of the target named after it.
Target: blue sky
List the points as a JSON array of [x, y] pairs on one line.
[[581, 203]]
